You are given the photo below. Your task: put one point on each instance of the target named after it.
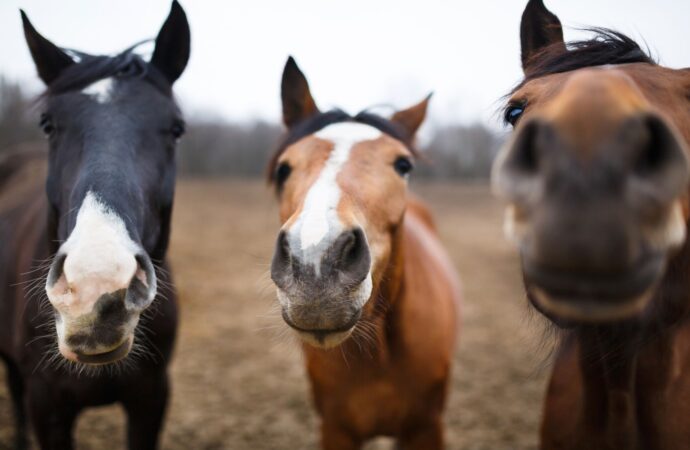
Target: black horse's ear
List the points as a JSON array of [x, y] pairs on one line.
[[540, 28], [49, 59], [411, 119], [298, 104], [173, 44]]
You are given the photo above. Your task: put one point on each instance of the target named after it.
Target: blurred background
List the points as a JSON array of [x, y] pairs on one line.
[[357, 54], [239, 383]]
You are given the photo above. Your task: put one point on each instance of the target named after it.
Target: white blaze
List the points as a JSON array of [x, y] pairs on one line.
[[319, 217], [100, 91], [100, 259]]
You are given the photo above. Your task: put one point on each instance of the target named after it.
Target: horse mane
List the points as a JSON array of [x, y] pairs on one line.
[[91, 68], [606, 47], [320, 121]]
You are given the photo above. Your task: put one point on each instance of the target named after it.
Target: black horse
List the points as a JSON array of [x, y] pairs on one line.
[[95, 324]]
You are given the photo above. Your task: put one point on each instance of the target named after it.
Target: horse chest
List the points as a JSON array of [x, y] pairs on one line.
[[374, 402]]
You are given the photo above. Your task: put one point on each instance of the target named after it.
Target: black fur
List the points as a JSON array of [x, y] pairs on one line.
[[123, 151]]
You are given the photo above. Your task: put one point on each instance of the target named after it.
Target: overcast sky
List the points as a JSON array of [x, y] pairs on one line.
[[355, 53]]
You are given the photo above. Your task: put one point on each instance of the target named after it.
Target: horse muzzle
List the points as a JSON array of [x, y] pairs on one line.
[[323, 290], [569, 297], [96, 314]]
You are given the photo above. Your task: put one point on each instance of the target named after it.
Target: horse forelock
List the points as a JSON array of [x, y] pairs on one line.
[[89, 69]]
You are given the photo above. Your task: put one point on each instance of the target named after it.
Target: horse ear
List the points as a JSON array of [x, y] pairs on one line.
[[411, 119], [298, 104], [50, 61], [173, 44], [540, 28]]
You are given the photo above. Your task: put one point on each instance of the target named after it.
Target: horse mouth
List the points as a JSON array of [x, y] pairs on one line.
[[108, 357], [324, 338], [593, 298]]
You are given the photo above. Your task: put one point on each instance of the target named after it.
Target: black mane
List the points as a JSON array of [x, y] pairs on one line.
[[91, 68], [607, 47], [320, 121]]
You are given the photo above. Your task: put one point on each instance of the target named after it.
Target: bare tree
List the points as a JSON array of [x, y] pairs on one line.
[[213, 147], [17, 124]]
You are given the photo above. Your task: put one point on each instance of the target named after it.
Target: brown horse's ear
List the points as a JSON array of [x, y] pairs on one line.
[[298, 104], [411, 119], [49, 59], [540, 28], [173, 44]]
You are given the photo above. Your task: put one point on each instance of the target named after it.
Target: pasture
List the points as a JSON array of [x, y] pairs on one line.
[[238, 380]]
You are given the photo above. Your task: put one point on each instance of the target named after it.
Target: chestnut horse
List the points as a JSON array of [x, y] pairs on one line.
[[596, 177], [101, 225], [360, 273]]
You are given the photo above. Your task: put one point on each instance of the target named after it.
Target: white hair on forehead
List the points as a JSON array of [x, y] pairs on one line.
[[101, 90]]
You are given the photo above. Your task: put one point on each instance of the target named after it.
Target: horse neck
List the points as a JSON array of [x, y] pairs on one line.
[[626, 368], [608, 369]]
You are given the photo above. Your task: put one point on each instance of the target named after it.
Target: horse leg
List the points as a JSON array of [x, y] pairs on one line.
[[427, 436], [145, 401], [334, 437], [52, 416], [15, 383]]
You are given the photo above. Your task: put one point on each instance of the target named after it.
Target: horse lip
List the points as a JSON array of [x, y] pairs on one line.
[[568, 312], [577, 297], [611, 287], [319, 333], [110, 356]]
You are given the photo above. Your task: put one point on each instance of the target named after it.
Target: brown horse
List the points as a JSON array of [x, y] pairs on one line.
[[87, 316], [361, 274], [596, 176]]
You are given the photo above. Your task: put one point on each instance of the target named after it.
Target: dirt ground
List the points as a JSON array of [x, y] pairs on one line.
[[238, 378]]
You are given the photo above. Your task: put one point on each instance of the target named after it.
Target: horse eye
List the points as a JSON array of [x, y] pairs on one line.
[[46, 124], [403, 165], [282, 173], [513, 113], [177, 130]]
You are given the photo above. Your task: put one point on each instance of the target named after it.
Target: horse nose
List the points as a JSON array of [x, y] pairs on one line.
[[348, 257], [346, 260], [282, 261], [645, 154], [322, 288], [591, 208], [75, 284], [516, 171], [658, 161]]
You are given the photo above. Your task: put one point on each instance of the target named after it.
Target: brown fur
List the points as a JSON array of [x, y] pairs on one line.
[[631, 397], [616, 384], [395, 385], [390, 375]]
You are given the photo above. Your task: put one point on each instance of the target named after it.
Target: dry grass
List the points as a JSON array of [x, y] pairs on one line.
[[238, 377]]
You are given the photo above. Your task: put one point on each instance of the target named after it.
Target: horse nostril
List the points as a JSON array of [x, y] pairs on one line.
[[658, 154], [56, 271], [282, 261], [518, 166], [350, 255], [523, 155], [658, 162], [142, 287]]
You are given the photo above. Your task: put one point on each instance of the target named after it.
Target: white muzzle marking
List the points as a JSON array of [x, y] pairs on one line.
[[318, 223], [100, 259]]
